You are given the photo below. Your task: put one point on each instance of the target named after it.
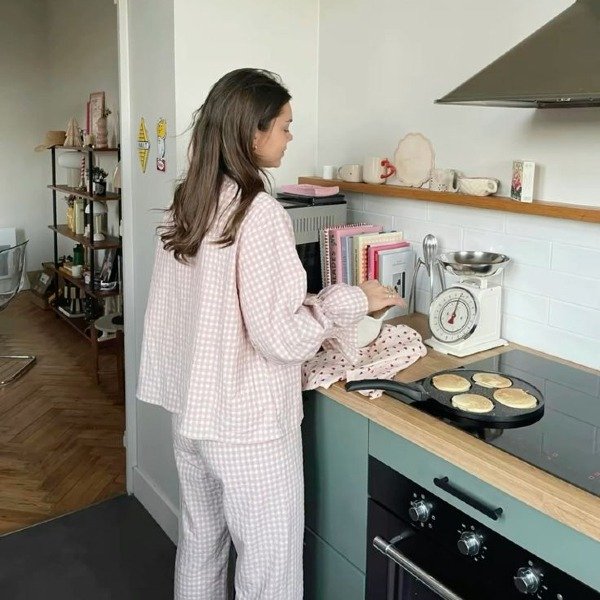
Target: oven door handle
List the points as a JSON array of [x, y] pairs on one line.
[[389, 550]]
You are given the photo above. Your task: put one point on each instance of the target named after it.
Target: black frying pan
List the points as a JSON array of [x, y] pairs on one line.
[[424, 391]]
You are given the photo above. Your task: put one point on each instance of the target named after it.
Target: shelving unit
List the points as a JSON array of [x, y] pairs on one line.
[[557, 210], [107, 242], [80, 325]]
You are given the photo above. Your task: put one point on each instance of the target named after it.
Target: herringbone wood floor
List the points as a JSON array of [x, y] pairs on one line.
[[61, 435]]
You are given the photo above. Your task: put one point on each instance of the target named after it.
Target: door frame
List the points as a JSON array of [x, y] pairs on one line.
[[129, 437]]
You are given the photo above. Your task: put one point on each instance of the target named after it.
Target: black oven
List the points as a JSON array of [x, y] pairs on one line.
[[422, 548]]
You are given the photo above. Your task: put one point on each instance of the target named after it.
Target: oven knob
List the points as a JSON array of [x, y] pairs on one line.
[[469, 543], [419, 511], [527, 580]]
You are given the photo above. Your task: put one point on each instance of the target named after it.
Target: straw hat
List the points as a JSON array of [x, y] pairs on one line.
[[53, 138]]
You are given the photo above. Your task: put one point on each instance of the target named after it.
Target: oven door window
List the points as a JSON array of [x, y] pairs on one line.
[[404, 564]]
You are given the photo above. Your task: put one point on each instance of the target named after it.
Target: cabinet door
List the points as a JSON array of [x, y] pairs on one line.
[[327, 574], [335, 469]]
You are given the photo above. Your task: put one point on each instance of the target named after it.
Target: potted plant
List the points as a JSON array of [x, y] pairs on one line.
[[99, 178]]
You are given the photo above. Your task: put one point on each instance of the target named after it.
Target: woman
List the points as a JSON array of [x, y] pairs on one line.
[[227, 327]]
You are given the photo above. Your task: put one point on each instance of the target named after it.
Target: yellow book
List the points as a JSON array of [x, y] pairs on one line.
[[361, 244]]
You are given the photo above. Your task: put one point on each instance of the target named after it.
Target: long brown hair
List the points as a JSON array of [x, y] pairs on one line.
[[239, 104]]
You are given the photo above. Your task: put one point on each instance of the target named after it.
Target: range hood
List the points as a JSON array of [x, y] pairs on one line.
[[558, 66]]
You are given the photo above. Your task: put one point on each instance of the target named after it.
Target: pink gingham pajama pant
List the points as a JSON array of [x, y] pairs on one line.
[[252, 494]]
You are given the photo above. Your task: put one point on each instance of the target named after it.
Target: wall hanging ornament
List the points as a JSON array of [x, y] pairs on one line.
[[143, 145], [161, 134]]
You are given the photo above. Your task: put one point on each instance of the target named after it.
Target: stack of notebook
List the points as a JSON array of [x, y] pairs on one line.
[[354, 253]]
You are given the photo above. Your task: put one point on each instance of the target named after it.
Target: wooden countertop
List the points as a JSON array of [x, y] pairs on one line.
[[556, 498]]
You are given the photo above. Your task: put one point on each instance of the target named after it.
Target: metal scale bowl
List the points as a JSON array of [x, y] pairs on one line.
[[466, 318]]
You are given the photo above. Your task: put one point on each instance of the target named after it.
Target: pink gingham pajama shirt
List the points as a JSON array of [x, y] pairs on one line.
[[224, 340]]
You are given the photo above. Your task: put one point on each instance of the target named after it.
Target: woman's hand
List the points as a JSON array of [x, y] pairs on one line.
[[379, 296]]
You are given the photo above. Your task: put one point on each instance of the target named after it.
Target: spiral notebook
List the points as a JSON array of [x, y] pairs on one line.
[[334, 255]]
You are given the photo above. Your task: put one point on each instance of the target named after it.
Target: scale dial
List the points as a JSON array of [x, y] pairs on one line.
[[453, 315]]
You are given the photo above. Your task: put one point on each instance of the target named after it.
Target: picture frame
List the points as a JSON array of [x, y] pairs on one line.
[[42, 283], [96, 109], [107, 269]]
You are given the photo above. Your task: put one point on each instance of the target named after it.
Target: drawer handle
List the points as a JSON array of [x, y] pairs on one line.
[[488, 511]]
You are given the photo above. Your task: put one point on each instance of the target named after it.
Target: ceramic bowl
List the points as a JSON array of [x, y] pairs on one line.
[[477, 186], [370, 326]]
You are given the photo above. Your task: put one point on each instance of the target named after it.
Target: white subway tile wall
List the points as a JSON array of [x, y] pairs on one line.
[[551, 289]]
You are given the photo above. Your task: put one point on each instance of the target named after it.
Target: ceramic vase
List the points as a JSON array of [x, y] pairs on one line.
[[101, 133]]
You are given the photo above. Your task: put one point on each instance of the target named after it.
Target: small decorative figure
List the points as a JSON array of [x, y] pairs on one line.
[[73, 137]]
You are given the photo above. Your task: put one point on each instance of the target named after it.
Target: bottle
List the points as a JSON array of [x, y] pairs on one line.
[[79, 216], [78, 255]]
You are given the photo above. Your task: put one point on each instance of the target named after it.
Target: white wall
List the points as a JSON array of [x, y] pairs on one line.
[[82, 57], [380, 71], [209, 39], [24, 173], [148, 90], [212, 38], [54, 53]]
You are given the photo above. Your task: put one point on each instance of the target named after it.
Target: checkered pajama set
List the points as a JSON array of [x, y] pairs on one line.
[[224, 340]]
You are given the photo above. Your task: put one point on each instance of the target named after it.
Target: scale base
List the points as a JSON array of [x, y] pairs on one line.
[[464, 348]]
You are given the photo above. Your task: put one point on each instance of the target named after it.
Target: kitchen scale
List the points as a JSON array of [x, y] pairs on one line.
[[466, 318]]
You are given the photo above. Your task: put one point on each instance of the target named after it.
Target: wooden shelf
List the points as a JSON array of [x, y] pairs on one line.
[[108, 242], [572, 212], [85, 148], [65, 189], [78, 282], [79, 324]]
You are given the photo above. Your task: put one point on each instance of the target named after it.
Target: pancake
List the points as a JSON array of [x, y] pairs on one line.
[[447, 382], [515, 398], [492, 380], [474, 403]]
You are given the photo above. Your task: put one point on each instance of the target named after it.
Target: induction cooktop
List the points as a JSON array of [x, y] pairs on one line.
[[566, 440]]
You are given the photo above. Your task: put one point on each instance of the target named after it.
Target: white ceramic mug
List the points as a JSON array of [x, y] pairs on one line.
[[377, 169], [329, 172], [76, 270], [350, 173], [443, 180], [478, 186]]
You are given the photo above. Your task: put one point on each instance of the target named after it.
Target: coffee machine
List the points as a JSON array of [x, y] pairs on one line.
[[309, 215]]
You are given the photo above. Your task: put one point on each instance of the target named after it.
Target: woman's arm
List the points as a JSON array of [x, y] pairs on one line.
[[272, 290]]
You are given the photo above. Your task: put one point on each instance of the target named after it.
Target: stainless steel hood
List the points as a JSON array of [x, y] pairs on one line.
[[558, 66]]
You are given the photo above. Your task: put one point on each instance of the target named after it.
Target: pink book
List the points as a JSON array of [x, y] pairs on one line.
[[337, 233], [373, 256]]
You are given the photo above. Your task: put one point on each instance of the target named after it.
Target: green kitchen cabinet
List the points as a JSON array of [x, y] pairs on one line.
[[335, 443], [327, 574]]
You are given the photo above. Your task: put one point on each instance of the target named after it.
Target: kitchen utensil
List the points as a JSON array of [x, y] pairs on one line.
[[431, 265], [352, 173], [473, 263], [377, 169], [424, 391], [414, 159], [369, 327], [466, 317], [477, 186], [443, 180]]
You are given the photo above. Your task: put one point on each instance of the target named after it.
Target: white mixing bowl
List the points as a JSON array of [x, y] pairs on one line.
[[369, 327]]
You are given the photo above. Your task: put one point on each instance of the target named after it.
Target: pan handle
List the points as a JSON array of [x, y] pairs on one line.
[[413, 391]]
